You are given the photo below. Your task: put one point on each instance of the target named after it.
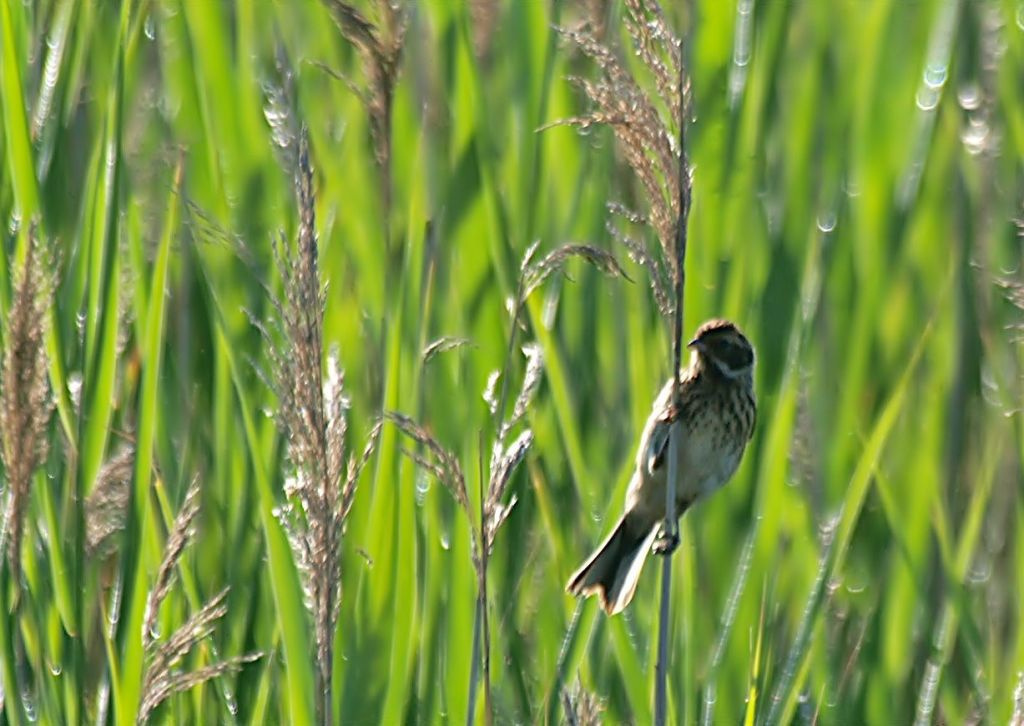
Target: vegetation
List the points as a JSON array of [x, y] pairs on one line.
[[327, 338]]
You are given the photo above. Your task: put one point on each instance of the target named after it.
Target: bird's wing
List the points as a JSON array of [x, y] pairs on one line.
[[658, 445], [663, 416]]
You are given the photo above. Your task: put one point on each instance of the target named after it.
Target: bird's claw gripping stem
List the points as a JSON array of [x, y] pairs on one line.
[[667, 542]]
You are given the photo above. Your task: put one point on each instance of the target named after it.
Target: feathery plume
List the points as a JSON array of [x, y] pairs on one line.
[[181, 533], [162, 677], [443, 345], [106, 505], [379, 43], [581, 707], [25, 400], [313, 415], [646, 126]]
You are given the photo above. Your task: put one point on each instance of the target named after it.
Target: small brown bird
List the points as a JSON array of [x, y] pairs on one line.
[[717, 415]]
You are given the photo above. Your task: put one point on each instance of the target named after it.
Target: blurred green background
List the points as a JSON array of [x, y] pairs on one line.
[[858, 177]]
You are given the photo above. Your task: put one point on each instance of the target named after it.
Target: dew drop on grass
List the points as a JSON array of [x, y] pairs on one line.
[[115, 603], [711, 696], [975, 136], [741, 52], [446, 543], [827, 528], [29, 705], [827, 221], [854, 586], [969, 96], [75, 388], [710, 699], [926, 701], [927, 98], [935, 75], [744, 13], [422, 486], [230, 702], [980, 572], [851, 187], [55, 669]]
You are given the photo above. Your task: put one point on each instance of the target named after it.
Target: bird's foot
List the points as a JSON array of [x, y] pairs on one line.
[[667, 542]]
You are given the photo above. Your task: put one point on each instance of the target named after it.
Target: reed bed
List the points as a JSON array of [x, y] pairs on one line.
[[328, 330]]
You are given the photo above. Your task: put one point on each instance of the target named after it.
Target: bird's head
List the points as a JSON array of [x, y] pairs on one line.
[[721, 349]]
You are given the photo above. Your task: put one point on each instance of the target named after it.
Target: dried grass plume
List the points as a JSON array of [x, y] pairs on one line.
[[313, 416], [646, 126], [379, 42], [107, 504], [25, 400], [162, 675]]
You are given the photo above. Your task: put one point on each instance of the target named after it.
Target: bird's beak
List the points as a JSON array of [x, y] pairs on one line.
[[696, 344]]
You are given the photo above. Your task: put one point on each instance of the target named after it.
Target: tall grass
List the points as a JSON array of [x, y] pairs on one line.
[[856, 191]]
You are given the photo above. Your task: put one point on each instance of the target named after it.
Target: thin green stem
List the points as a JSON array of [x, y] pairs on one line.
[[671, 528]]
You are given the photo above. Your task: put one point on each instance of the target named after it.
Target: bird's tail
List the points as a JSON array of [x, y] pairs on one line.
[[613, 570]]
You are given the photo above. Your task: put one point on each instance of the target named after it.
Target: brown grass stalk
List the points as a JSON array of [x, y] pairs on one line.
[[107, 504], [379, 42], [25, 400], [162, 676], [181, 533], [312, 414], [646, 124], [581, 707]]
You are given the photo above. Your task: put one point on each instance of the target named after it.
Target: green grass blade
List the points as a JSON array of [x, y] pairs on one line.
[[17, 146], [787, 690], [151, 351], [292, 618], [953, 611]]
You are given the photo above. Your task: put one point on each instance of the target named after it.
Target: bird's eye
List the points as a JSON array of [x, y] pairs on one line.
[[734, 355]]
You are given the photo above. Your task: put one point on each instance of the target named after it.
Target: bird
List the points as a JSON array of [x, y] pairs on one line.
[[717, 412]]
